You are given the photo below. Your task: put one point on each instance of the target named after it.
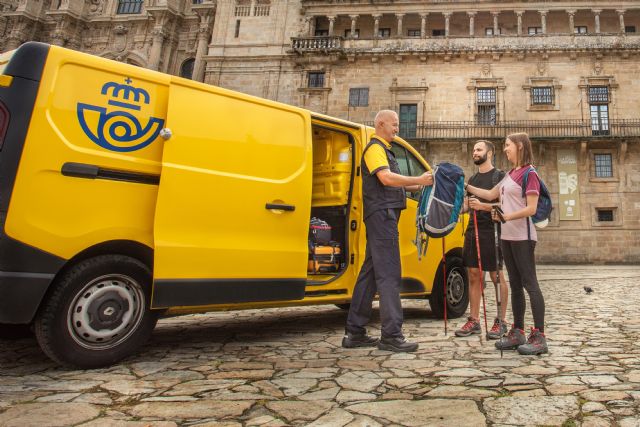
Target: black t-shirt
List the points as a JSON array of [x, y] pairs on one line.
[[487, 181]]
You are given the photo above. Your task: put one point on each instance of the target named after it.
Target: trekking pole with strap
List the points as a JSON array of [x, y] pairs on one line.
[[484, 305], [499, 285], [444, 274]]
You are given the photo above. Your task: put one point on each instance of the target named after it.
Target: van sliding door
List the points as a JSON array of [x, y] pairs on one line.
[[234, 201]]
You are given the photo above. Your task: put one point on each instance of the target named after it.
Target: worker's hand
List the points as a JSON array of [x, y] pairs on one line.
[[474, 204], [426, 178]]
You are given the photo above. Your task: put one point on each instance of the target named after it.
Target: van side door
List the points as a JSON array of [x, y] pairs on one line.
[[234, 201]]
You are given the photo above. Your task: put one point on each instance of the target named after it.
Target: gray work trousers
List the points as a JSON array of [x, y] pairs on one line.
[[380, 272]]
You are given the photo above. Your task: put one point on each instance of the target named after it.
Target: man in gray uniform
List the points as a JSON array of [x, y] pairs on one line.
[[383, 189]]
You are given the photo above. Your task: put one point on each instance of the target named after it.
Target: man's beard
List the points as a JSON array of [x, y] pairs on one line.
[[480, 161]]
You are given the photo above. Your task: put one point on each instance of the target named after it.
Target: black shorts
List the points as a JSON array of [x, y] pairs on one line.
[[487, 251]]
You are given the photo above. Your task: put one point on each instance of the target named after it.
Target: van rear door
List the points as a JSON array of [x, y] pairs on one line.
[[234, 202]]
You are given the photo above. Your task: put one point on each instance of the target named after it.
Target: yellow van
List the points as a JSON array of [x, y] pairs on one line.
[[127, 194]]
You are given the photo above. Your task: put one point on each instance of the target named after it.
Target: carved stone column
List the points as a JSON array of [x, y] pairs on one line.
[[496, 28], [472, 28], [354, 20], [308, 22], [519, 14], [572, 14], [596, 15], [447, 17], [543, 20], [423, 24], [621, 18], [206, 17], [156, 48], [332, 20], [376, 25], [399, 16]]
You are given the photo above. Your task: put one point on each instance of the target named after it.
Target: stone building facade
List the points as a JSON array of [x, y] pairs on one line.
[[456, 71]]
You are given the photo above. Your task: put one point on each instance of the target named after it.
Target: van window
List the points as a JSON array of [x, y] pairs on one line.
[[409, 165]]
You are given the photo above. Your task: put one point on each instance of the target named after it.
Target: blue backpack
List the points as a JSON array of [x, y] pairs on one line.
[[439, 205], [543, 210]]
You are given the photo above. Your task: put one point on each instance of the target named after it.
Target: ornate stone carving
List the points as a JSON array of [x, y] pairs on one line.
[[96, 7]]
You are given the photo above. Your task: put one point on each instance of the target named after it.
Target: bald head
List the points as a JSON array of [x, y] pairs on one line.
[[386, 124]]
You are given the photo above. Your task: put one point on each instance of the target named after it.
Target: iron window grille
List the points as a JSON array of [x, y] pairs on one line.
[[129, 7], [598, 95], [486, 96], [605, 215], [316, 79], [359, 97], [603, 165], [630, 29], [486, 102], [542, 95]]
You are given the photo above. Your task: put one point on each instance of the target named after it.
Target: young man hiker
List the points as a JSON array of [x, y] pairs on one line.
[[486, 177], [383, 189], [518, 242]]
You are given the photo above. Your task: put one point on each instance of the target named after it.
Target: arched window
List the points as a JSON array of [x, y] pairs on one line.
[[186, 69]]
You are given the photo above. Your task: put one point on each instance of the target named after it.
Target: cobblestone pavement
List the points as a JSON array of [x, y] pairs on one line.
[[286, 367]]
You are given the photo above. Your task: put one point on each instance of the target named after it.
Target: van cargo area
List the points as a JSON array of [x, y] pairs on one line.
[[331, 197]]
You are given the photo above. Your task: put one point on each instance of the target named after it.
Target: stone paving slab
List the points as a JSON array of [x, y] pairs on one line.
[[285, 367]]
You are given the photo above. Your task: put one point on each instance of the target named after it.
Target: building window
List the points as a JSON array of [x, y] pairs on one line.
[[580, 29], [413, 33], [489, 31], [321, 33], [359, 97], [437, 33], [630, 29], [186, 69], [129, 7], [599, 110], [384, 33], [603, 165], [486, 102], [347, 34], [237, 32], [535, 30], [605, 215], [408, 120], [542, 95], [316, 79]]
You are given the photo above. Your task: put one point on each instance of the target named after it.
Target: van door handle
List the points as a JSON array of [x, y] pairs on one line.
[[280, 206]]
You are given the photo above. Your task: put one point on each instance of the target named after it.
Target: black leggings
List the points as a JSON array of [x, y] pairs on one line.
[[519, 258]]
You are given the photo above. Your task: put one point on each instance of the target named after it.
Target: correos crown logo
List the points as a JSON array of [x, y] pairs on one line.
[[119, 129]]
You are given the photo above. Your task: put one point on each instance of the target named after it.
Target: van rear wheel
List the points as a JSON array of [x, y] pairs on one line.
[[98, 313], [457, 289]]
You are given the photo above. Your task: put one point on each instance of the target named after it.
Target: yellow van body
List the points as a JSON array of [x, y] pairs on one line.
[[202, 195]]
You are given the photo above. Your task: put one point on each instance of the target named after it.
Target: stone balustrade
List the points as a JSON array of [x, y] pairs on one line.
[[316, 44]]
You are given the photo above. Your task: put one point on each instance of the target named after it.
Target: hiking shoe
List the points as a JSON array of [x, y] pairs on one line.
[[536, 343], [471, 327], [512, 340], [399, 345], [496, 331], [354, 341]]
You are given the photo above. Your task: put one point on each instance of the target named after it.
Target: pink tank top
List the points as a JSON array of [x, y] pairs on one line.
[[511, 200]]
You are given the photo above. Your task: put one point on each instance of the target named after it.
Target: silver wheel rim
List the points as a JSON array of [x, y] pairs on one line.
[[106, 312], [455, 287]]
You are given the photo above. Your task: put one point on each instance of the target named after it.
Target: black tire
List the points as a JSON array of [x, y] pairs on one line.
[[457, 290], [97, 313], [14, 332], [344, 306]]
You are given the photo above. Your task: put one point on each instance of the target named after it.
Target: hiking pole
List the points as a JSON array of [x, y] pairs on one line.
[[484, 306], [499, 285], [444, 273]]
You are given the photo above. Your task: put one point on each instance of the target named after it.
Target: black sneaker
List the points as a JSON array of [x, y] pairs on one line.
[[354, 341], [399, 345], [536, 344], [497, 330], [471, 327], [512, 340]]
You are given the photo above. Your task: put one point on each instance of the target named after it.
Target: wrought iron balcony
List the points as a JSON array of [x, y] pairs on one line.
[[547, 129], [316, 44]]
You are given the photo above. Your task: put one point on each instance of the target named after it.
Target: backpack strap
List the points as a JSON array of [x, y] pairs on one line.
[[525, 180]]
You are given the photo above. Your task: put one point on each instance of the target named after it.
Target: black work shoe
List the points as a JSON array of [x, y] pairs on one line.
[[398, 345], [354, 341], [536, 344], [512, 340]]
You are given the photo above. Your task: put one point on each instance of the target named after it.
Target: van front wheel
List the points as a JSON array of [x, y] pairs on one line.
[[457, 290], [97, 313]]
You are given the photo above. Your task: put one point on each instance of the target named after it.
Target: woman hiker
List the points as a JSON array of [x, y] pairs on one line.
[[518, 242]]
